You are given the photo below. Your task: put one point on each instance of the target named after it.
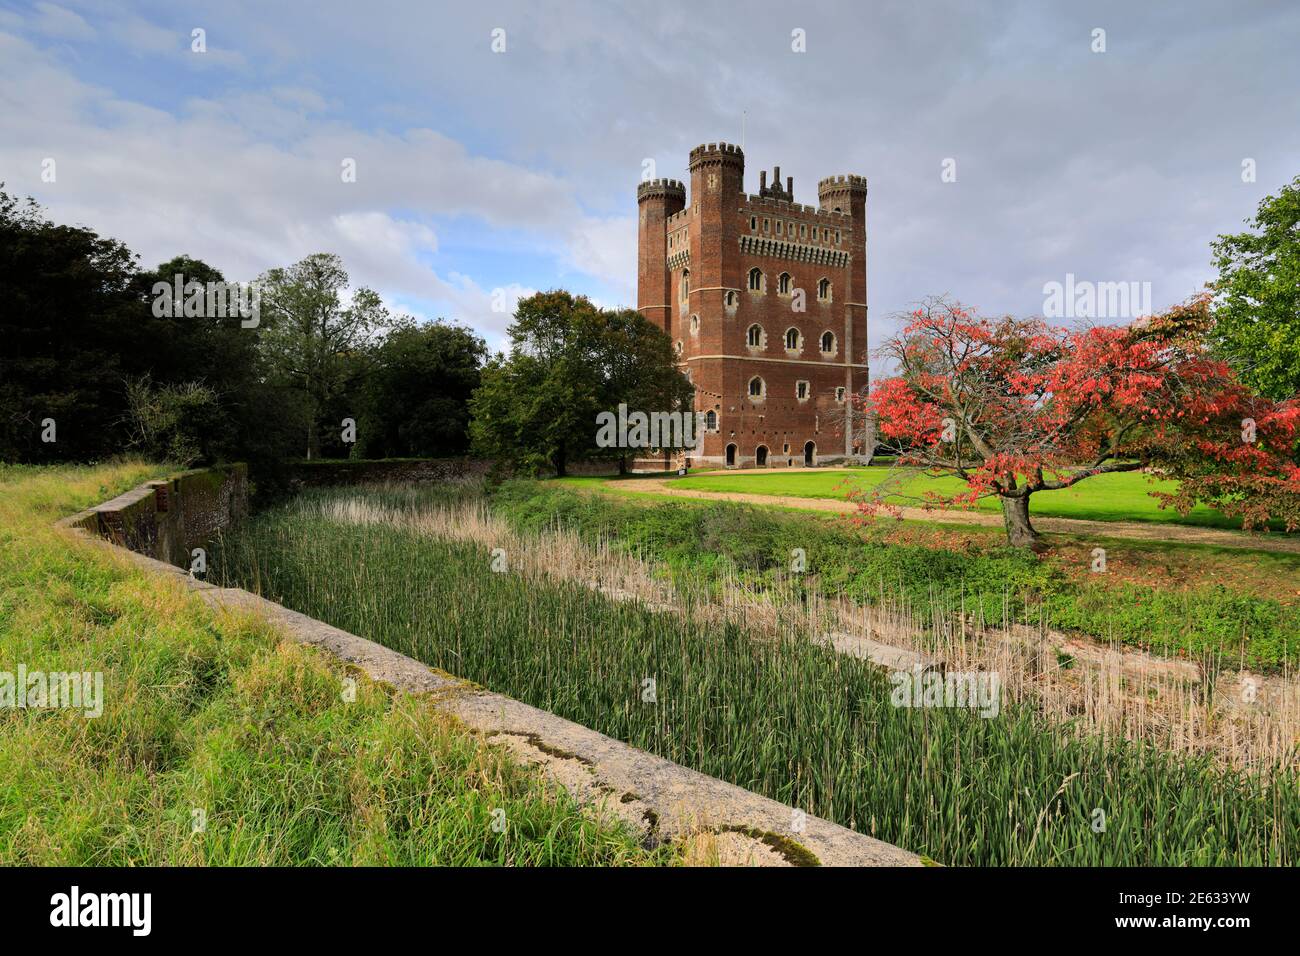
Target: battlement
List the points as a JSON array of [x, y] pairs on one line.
[[842, 184], [677, 218], [717, 153], [785, 208], [655, 188], [764, 300]]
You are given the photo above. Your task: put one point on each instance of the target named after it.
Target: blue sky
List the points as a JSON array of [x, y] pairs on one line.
[[480, 171]]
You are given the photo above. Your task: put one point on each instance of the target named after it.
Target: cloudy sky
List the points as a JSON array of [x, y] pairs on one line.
[[482, 172]]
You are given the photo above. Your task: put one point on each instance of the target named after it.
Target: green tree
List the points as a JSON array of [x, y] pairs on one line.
[[312, 341], [1257, 296], [536, 408], [218, 353], [220, 350], [414, 398], [172, 422], [68, 305], [640, 367]]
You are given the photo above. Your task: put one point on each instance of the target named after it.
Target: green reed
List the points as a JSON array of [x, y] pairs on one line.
[[782, 716]]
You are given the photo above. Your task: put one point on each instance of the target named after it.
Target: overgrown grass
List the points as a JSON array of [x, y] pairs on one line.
[[217, 712], [701, 540], [785, 717]]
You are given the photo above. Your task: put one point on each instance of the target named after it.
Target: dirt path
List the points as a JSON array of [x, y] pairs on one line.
[[1137, 530]]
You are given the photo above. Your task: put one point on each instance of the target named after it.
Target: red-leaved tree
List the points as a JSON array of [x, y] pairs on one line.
[[1015, 407]]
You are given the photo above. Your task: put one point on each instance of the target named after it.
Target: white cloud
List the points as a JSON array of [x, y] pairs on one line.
[[56, 21], [1068, 161], [383, 235], [248, 181]]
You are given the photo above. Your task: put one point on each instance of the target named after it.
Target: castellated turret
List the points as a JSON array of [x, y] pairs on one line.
[[765, 301], [657, 199]]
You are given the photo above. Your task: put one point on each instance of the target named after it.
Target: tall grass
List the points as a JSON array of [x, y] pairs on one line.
[[784, 716], [218, 712], [1095, 688], [701, 540]]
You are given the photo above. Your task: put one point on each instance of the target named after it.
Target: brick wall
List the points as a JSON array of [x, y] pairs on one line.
[[701, 258], [167, 519]]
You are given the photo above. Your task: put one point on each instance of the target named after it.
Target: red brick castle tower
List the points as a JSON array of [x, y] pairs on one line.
[[765, 301]]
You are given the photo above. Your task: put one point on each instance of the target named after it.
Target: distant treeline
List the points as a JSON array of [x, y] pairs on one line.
[[95, 361], [101, 356]]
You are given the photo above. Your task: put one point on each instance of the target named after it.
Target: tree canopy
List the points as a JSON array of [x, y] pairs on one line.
[[87, 348], [414, 399], [312, 340], [1257, 296], [569, 360], [1015, 407]]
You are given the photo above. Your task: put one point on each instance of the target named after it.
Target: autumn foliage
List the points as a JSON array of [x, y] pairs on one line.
[[1015, 407]]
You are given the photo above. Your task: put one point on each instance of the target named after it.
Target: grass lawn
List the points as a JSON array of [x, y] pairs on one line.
[[214, 711], [1117, 497]]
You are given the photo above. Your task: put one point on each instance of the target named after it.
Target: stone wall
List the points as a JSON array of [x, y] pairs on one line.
[[313, 474], [167, 519]]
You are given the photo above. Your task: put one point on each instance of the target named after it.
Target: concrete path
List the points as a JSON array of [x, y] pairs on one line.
[[1137, 530]]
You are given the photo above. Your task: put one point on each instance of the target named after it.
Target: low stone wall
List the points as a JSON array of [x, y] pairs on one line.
[[591, 469], [313, 474], [167, 519]]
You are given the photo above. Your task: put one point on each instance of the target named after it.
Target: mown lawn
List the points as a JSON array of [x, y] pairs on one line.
[[1118, 497], [218, 713]]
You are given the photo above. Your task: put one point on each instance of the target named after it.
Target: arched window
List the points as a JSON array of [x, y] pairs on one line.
[[711, 420], [792, 338], [686, 283], [783, 284], [754, 338], [695, 325], [729, 299], [678, 346], [828, 341], [756, 387], [755, 280], [824, 289]]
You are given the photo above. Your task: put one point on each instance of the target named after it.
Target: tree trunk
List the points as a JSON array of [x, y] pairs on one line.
[[1015, 517]]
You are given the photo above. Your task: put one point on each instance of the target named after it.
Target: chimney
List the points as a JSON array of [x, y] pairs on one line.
[[762, 180], [789, 186]]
